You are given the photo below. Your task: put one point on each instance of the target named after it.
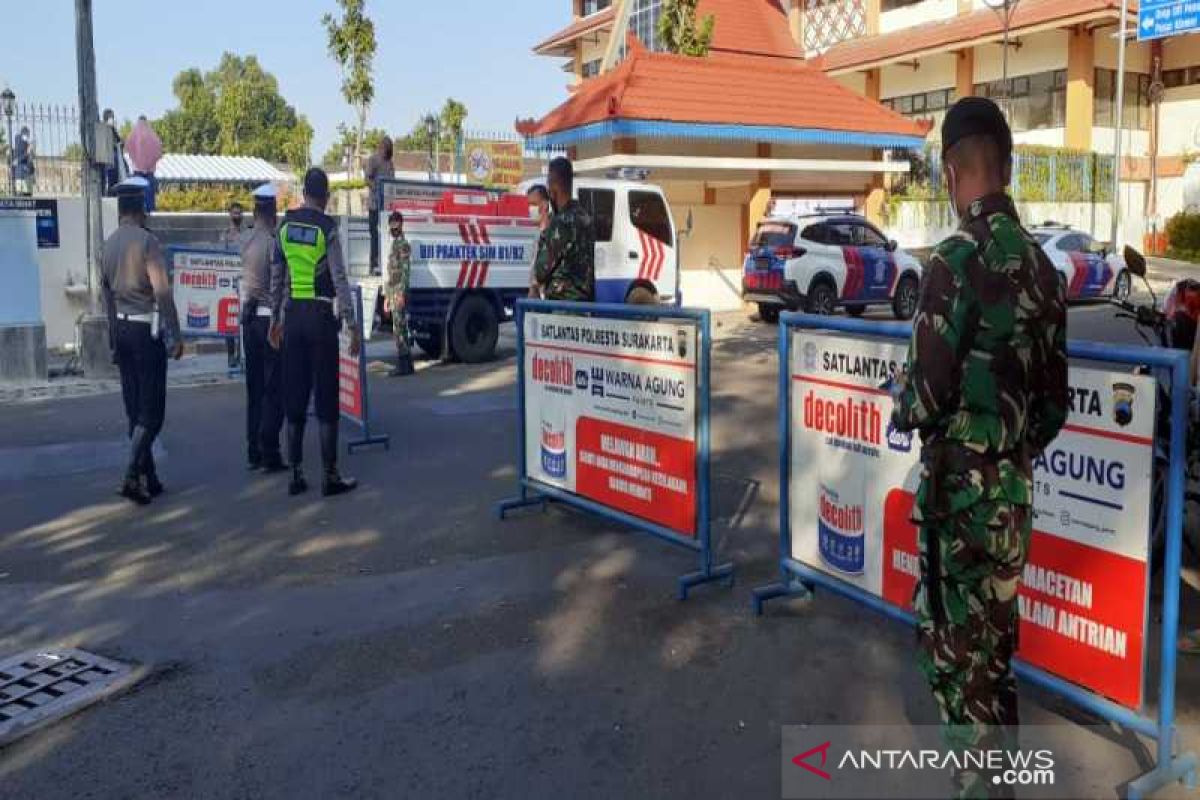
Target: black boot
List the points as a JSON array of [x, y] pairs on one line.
[[154, 486], [404, 366], [131, 487], [298, 484], [332, 483]]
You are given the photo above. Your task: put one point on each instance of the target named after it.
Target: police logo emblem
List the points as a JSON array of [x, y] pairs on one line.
[[681, 342], [1123, 394], [810, 356]]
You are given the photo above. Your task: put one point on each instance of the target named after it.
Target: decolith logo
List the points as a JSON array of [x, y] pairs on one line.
[[558, 371], [860, 420]]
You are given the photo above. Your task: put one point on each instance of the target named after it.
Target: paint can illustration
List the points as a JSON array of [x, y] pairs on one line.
[[841, 494], [554, 442]]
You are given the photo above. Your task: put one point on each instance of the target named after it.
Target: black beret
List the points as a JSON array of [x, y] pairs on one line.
[[316, 183], [976, 116]]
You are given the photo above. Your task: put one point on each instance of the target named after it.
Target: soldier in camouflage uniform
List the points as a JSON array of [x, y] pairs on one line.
[[986, 385], [399, 270], [569, 271]]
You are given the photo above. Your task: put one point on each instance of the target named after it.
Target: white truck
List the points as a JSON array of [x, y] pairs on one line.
[[473, 249]]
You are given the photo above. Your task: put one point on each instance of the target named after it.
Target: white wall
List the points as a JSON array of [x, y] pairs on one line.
[[1180, 116], [1047, 137], [1041, 52], [920, 13], [935, 72], [924, 224], [1133, 143], [66, 267]]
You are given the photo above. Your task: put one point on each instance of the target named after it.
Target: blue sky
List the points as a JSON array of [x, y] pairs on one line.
[[477, 51]]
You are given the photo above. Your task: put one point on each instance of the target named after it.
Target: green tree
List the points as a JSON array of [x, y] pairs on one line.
[[347, 138], [234, 110], [451, 119], [678, 31], [352, 46]]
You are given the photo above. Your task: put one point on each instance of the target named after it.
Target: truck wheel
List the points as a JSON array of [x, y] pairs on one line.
[[429, 340], [641, 296], [474, 330]]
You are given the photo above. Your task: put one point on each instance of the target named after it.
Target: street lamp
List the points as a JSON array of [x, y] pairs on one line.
[[1006, 9], [8, 103]]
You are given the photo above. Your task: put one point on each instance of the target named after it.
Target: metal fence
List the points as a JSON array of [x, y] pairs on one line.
[[1040, 176], [57, 151]]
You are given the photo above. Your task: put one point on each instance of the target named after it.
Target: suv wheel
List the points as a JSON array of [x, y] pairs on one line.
[[904, 304], [821, 299]]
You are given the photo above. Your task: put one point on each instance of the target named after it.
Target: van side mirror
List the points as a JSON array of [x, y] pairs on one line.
[[892, 246], [1135, 261]]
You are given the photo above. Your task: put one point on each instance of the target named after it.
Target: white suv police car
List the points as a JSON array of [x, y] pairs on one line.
[[1087, 270], [820, 262]]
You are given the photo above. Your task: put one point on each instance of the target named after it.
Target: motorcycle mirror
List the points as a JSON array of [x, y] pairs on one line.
[[1135, 261]]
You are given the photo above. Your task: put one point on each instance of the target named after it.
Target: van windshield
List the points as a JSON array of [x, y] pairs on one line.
[[775, 234]]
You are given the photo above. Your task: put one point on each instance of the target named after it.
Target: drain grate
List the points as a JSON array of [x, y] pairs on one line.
[[41, 686]]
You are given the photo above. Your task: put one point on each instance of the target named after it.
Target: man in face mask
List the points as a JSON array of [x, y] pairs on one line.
[[986, 385], [568, 271]]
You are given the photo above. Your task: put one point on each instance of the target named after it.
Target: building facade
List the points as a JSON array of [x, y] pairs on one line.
[[918, 56]]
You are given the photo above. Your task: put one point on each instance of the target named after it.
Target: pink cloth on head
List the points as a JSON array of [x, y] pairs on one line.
[[144, 147]]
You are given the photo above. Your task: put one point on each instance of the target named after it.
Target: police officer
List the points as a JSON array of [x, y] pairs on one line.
[[399, 270], [137, 297], [264, 367], [569, 271], [310, 302], [986, 385]]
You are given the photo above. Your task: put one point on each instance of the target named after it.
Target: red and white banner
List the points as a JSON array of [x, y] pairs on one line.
[[205, 285], [610, 413], [1083, 596]]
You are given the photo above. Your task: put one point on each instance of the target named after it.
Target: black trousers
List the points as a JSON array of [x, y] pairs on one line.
[[373, 221], [310, 360], [264, 390], [142, 360]]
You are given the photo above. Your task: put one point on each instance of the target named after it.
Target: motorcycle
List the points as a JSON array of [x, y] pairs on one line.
[[1173, 326]]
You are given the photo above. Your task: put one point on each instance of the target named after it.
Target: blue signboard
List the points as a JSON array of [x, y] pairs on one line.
[[45, 219], [1159, 18]]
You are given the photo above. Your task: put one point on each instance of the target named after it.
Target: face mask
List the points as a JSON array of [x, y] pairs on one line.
[[951, 187]]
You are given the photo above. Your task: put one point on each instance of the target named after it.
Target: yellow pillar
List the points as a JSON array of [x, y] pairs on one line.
[[874, 84], [760, 195], [1081, 71], [964, 73], [873, 12], [796, 22], [873, 205]]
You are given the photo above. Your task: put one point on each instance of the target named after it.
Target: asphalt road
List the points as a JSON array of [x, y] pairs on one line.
[[401, 642]]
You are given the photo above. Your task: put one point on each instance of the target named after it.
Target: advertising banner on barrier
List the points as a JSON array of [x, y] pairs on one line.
[[205, 284], [611, 414], [1084, 594]]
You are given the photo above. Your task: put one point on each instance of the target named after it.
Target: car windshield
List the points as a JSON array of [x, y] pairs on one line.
[[775, 234], [1042, 238]]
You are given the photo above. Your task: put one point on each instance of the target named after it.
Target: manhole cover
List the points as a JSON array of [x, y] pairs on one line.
[[41, 686]]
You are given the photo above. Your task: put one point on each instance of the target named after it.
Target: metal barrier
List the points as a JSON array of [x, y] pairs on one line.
[[802, 579], [634, 465]]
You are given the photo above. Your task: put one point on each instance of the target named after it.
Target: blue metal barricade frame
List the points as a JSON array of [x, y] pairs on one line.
[[536, 493], [800, 579], [368, 439]]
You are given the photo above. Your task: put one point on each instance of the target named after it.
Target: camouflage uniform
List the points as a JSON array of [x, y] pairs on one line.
[[398, 272], [569, 271], [539, 262], [986, 385]]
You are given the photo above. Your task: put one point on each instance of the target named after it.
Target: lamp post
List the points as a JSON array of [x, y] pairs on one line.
[[1118, 124], [433, 130], [1006, 9], [8, 102]]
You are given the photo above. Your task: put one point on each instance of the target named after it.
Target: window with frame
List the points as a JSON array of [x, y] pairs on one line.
[[595, 6], [648, 213], [815, 233], [602, 205], [1036, 101], [924, 105], [643, 22], [840, 234], [1070, 244], [591, 68], [1137, 100], [866, 236]]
